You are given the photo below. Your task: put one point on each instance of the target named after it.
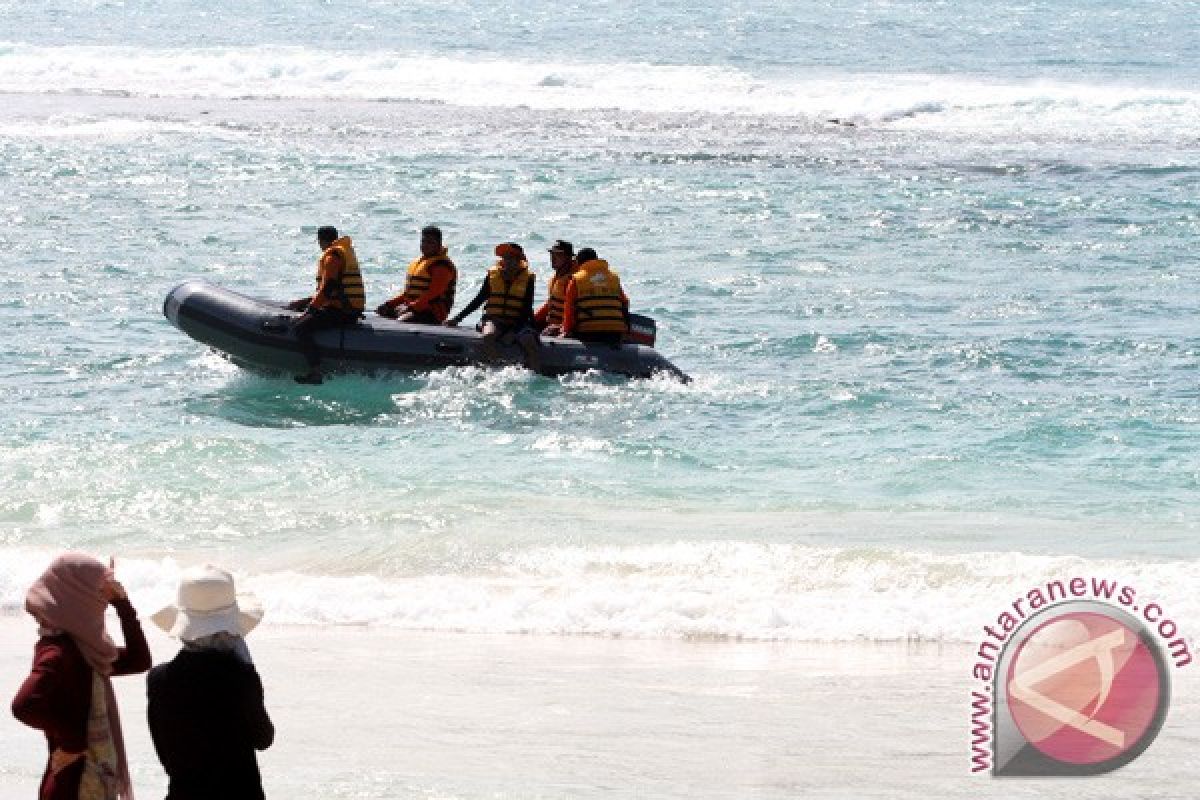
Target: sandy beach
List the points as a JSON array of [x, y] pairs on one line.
[[930, 266], [378, 713]]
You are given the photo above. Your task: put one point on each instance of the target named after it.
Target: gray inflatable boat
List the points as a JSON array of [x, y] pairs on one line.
[[257, 334]]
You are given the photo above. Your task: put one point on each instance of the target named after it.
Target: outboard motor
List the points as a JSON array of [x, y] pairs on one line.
[[642, 330]]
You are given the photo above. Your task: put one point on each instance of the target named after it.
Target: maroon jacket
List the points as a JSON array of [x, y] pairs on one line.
[[57, 695]]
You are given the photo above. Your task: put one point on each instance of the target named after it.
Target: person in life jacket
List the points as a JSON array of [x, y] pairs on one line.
[[338, 301], [548, 319], [507, 291], [429, 285], [595, 308]]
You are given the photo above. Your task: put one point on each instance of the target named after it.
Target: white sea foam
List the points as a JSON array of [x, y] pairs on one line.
[[912, 101], [681, 589], [87, 127]]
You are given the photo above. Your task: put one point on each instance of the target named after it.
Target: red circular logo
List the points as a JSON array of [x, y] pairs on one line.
[[1084, 688]]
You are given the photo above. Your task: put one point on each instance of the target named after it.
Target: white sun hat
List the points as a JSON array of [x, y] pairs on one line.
[[208, 604]]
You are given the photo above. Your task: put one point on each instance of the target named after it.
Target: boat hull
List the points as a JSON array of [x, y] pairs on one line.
[[258, 335]]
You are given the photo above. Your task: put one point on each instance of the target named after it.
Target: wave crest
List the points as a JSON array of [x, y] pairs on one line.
[[735, 590]]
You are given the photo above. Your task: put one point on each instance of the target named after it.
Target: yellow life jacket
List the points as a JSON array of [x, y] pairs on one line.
[[420, 277], [348, 293], [557, 299], [598, 306], [506, 301]]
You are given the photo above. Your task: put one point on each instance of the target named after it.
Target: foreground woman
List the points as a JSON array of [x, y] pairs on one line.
[[68, 694], [206, 705]]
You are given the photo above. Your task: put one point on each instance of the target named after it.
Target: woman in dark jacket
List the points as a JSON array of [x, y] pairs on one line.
[[206, 705], [68, 694]]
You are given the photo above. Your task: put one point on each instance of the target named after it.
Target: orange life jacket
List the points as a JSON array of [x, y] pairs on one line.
[[348, 293], [557, 299], [419, 278], [506, 301], [598, 306]]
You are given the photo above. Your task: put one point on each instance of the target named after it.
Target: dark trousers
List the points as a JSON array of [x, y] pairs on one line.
[[312, 322]]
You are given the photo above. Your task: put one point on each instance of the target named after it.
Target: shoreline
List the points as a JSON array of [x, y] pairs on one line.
[[472, 715]]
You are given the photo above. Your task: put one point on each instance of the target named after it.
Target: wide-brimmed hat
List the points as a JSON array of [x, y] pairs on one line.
[[562, 246], [208, 604]]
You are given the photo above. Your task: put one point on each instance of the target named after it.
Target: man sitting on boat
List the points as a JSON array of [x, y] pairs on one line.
[[508, 291], [595, 307], [429, 285], [548, 319], [339, 299]]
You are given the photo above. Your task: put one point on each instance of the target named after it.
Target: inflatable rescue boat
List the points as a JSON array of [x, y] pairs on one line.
[[257, 335]]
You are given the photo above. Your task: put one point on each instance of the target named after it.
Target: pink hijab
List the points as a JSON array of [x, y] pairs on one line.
[[69, 597]]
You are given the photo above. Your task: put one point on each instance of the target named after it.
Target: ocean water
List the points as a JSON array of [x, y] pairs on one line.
[[932, 267]]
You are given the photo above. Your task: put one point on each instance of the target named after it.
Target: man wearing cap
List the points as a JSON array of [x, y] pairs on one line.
[[205, 706], [508, 291], [596, 308], [429, 285], [548, 319]]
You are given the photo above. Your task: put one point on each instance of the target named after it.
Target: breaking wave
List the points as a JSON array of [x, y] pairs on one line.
[[906, 101], [735, 590]]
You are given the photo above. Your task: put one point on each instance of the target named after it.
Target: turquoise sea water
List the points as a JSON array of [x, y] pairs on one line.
[[960, 321]]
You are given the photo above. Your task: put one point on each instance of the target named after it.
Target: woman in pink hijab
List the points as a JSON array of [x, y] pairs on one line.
[[68, 694]]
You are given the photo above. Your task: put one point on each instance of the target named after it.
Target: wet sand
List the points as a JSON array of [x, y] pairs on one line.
[[379, 713]]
